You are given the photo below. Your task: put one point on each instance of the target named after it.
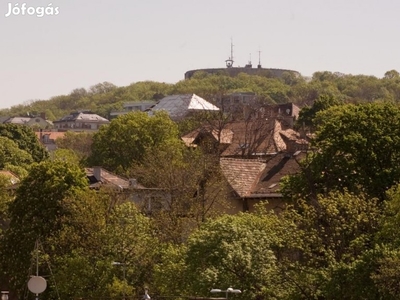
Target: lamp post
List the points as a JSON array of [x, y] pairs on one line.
[[4, 295], [227, 291], [117, 263]]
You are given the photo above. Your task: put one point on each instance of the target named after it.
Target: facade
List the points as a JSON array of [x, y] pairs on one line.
[[80, 121]]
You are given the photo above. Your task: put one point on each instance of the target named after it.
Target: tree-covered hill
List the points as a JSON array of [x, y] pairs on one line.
[[105, 97]]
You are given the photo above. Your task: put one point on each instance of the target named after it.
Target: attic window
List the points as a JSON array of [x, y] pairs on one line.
[[243, 146]]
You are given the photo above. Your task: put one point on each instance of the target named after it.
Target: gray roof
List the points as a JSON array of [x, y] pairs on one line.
[[18, 120], [179, 106], [82, 116]]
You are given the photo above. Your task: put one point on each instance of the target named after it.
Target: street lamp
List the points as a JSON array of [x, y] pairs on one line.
[[227, 291], [117, 263], [4, 295]]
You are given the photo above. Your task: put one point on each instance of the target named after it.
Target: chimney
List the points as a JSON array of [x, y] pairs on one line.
[[43, 115], [97, 173]]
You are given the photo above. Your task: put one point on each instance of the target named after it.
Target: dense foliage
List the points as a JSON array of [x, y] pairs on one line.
[[337, 238], [105, 97]]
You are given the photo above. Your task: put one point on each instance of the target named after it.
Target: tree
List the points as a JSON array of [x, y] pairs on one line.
[[242, 252], [26, 140], [357, 148], [38, 212], [12, 155], [391, 74], [192, 184], [334, 234], [127, 138], [78, 142]]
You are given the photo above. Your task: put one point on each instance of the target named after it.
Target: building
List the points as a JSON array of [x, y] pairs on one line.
[[146, 199], [36, 122], [80, 121], [48, 138], [182, 106], [132, 106]]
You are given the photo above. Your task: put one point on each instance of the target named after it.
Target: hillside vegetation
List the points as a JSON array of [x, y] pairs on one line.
[[105, 97]]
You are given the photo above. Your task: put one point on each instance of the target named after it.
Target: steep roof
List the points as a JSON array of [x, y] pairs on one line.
[[257, 137], [253, 178], [242, 173], [178, 106]]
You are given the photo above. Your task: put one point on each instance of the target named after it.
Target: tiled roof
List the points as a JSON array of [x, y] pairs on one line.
[[51, 135], [252, 178], [178, 106], [242, 138], [277, 167], [242, 174]]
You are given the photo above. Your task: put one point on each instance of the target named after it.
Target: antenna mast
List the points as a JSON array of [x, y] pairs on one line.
[[229, 61]]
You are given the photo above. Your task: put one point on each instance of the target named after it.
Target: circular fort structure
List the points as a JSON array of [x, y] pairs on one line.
[[234, 71]]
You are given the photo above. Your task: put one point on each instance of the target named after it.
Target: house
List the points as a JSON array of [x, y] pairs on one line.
[[80, 121], [132, 106], [181, 106], [248, 139], [253, 180], [48, 138], [38, 122], [146, 199]]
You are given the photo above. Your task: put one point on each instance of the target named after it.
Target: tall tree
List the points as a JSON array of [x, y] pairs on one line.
[[38, 212], [357, 148], [127, 138]]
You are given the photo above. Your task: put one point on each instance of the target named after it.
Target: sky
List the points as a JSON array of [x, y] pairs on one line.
[[51, 47]]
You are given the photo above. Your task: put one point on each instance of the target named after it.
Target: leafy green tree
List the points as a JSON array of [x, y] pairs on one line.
[[335, 233], [357, 148], [192, 184], [308, 114], [11, 154], [242, 252], [78, 142], [26, 140], [127, 138], [38, 211]]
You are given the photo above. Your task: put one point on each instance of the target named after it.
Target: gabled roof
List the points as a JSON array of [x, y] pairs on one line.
[[178, 106], [249, 138], [253, 178], [242, 174]]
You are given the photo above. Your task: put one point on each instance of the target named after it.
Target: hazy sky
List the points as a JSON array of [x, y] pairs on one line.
[[125, 41]]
